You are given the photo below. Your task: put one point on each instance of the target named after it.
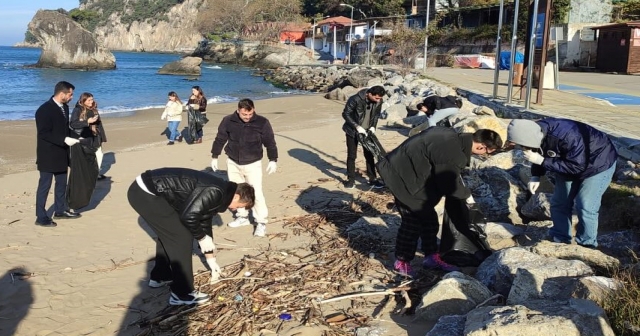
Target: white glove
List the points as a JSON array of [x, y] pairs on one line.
[[206, 244], [70, 141], [533, 157], [470, 200], [214, 164], [215, 269], [533, 184], [372, 129], [272, 167], [361, 130]]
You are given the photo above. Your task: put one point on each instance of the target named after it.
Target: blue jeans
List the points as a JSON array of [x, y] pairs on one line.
[[173, 129], [586, 195]]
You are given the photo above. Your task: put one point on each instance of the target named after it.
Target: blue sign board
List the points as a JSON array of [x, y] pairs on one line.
[[540, 30]]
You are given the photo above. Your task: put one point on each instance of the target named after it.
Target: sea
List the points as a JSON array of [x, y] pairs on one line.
[[133, 85]]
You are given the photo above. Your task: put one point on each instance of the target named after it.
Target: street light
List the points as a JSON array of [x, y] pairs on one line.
[[350, 30], [370, 42], [313, 39], [426, 37]]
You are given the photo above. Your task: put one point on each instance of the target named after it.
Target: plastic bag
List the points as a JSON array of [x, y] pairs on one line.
[[463, 242], [371, 143]]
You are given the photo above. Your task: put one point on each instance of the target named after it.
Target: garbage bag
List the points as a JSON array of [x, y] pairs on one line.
[[463, 241], [371, 143], [82, 176], [196, 122]]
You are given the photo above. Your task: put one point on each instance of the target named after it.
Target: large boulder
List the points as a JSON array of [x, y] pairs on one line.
[[539, 317], [455, 294], [528, 285], [497, 193], [66, 45], [594, 258], [497, 271], [360, 77], [451, 325], [486, 122], [538, 207], [185, 66]]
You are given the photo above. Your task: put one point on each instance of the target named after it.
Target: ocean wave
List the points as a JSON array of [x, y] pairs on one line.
[[120, 109], [213, 67], [221, 99]]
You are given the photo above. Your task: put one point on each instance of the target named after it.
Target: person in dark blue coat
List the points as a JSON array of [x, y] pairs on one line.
[[583, 160]]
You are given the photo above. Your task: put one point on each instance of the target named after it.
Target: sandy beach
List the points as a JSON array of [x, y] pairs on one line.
[[89, 275]]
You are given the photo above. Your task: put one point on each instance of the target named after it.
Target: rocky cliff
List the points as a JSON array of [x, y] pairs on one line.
[[175, 32], [65, 44]]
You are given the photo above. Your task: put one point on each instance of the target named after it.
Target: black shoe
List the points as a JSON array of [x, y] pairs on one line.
[[179, 138], [350, 184], [170, 143], [66, 215], [46, 223], [376, 184], [101, 177]]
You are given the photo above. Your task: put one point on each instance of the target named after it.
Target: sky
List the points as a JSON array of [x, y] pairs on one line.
[[16, 14]]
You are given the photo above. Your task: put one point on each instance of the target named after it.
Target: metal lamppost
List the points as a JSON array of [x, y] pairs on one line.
[[496, 74], [288, 43], [532, 48], [514, 46], [350, 30], [426, 37], [373, 40]]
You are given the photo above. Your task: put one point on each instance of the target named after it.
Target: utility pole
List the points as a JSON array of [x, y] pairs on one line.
[[514, 47], [350, 31], [532, 49], [496, 75], [426, 37]]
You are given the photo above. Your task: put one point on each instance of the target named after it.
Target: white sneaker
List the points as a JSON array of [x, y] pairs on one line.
[[158, 284], [239, 221], [194, 297], [261, 230]]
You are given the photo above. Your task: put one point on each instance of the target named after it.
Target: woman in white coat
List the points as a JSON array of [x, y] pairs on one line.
[[173, 114]]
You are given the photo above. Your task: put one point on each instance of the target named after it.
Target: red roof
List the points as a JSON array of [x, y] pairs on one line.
[[336, 19]]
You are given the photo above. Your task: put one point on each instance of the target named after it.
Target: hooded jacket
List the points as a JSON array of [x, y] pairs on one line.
[[573, 149], [196, 196], [427, 166], [355, 110]]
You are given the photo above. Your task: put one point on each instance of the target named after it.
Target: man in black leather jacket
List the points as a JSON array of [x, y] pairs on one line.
[[361, 114], [179, 205]]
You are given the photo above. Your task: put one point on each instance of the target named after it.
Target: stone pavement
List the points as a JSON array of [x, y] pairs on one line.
[[622, 122]]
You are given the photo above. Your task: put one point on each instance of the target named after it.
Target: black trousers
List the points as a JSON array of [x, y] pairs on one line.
[[175, 242], [424, 224], [44, 185], [416, 224], [352, 154]]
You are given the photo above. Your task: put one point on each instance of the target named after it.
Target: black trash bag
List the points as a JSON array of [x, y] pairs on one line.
[[371, 143], [463, 241], [82, 177], [196, 122]]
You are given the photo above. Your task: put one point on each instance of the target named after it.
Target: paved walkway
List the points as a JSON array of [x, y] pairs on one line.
[[621, 121]]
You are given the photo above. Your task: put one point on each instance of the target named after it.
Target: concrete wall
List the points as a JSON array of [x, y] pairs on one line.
[[590, 11], [573, 51]]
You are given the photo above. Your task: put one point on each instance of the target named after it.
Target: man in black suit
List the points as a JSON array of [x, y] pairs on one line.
[[52, 153]]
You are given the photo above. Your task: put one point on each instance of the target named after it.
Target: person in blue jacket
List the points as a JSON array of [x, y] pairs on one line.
[[583, 160]]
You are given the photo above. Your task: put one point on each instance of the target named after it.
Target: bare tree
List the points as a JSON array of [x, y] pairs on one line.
[[223, 16], [407, 44], [271, 17]]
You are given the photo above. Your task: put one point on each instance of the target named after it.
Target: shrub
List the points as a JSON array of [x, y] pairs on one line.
[[623, 305]]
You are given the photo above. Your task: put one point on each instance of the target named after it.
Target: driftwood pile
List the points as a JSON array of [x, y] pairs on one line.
[[277, 289]]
